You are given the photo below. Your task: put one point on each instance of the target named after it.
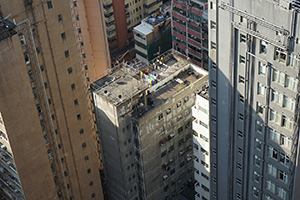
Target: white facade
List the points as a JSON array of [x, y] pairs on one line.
[[201, 145]]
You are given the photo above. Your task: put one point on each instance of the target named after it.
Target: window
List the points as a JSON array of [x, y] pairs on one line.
[[35, 94], [239, 166], [93, 195], [240, 134], [273, 153], [288, 102], [240, 151], [257, 144], [263, 47], [214, 84], [180, 142], [242, 38], [67, 53], [42, 68], [255, 192], [274, 116], [284, 159], [267, 197], [261, 69], [239, 181], [169, 124], [78, 117], [286, 122], [240, 116], [186, 99], [161, 130], [291, 82], [204, 151], [22, 39], [284, 140], [282, 176], [39, 109], [70, 70], [73, 86], [276, 97], [59, 17], [180, 129], [75, 3], [163, 153], [182, 164], [79, 30], [86, 158], [63, 36], [205, 176], [83, 145], [241, 98], [260, 89], [212, 25], [203, 138], [179, 117], [178, 104], [26, 57], [81, 131], [259, 126], [91, 183], [168, 111], [196, 147], [31, 76], [270, 186], [273, 135], [186, 112], [259, 108], [257, 161], [213, 45], [77, 17], [161, 116], [271, 169], [204, 164], [281, 192], [280, 55], [241, 79], [278, 76], [49, 4], [292, 60], [242, 59], [256, 177]]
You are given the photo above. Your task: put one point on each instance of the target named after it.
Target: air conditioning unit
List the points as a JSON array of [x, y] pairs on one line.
[[187, 19]]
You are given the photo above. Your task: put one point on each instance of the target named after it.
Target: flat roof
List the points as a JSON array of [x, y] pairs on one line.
[[143, 28], [204, 93], [168, 74]]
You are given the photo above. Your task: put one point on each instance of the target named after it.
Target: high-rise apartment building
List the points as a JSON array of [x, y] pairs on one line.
[[254, 102], [121, 17], [145, 120], [9, 179], [49, 52], [189, 30], [201, 139], [153, 36]]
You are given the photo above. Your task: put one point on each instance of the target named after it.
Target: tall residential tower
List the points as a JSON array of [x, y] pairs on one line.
[[49, 51], [254, 103]]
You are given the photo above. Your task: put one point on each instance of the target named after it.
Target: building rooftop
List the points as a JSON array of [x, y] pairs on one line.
[[167, 75], [204, 93], [160, 16]]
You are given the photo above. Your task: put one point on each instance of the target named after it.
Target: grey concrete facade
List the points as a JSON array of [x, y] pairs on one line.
[[254, 72], [146, 131]]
